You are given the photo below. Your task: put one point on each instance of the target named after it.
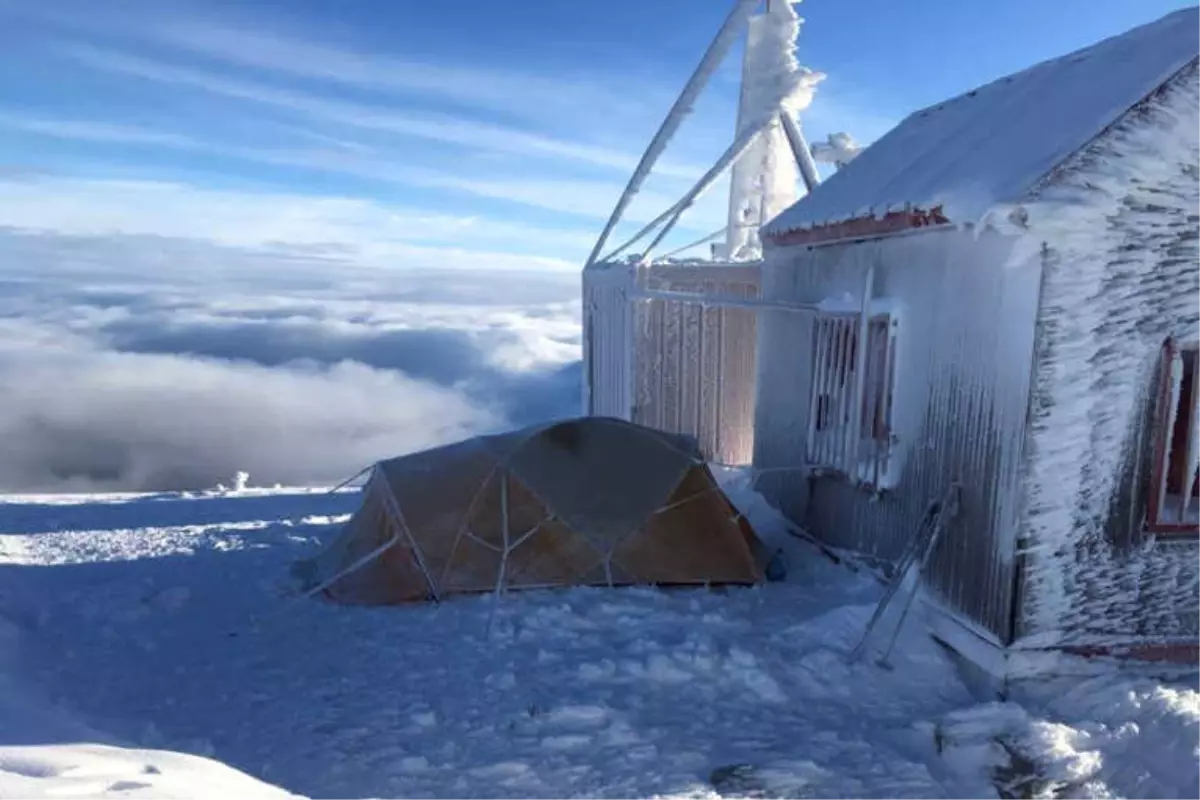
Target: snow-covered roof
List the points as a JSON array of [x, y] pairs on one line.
[[991, 145]]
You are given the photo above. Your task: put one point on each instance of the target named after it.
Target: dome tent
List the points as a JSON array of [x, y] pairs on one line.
[[590, 501]]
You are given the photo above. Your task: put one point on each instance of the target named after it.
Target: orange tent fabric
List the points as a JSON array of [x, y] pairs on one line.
[[591, 501]]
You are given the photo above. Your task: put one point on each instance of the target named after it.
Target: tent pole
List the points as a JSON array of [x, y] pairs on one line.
[[504, 555]]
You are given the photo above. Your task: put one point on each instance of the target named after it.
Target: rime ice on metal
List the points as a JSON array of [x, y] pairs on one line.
[[766, 178], [662, 344], [1034, 244], [1038, 300]]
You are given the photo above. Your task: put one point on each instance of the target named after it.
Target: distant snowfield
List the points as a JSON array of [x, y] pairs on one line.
[[137, 628]]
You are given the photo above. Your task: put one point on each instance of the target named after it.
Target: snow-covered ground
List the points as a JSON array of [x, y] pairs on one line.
[[131, 626]]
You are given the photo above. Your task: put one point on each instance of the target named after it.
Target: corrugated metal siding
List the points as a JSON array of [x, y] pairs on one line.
[[694, 364], [607, 340], [963, 362]]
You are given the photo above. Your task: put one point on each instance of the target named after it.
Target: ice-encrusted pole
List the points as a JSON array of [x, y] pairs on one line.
[[776, 87], [682, 107], [853, 447], [731, 155], [800, 151]]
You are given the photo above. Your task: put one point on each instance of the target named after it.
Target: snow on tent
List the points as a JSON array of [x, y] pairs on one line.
[[591, 501]]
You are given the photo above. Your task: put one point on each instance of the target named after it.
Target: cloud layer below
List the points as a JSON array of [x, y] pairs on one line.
[[177, 371]]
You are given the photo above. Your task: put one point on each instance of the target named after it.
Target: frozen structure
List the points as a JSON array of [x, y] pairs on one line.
[[675, 364], [999, 298], [1005, 296]]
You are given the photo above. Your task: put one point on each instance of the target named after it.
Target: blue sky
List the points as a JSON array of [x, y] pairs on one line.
[[418, 134]]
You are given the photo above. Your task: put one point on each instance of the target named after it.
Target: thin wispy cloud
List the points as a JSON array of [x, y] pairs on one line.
[[582, 197], [103, 132], [272, 44], [359, 229], [532, 96], [436, 128], [545, 153]]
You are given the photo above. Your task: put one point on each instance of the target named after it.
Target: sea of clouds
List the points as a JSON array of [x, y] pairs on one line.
[[143, 363]]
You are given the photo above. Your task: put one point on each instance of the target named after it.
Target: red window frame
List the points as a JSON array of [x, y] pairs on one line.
[[1168, 460]]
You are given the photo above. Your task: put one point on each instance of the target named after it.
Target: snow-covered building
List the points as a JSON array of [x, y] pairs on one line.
[[1021, 263]]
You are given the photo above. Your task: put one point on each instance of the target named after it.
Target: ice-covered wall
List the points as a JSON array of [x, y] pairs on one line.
[[966, 306], [693, 370], [608, 340], [679, 365], [765, 180], [1121, 229]]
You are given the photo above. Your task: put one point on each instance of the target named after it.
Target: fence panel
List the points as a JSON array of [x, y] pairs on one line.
[[694, 362]]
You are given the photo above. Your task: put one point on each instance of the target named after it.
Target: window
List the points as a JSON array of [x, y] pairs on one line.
[[850, 426], [1174, 503]]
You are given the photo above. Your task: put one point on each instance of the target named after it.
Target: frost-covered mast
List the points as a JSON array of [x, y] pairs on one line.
[[768, 153], [765, 180]]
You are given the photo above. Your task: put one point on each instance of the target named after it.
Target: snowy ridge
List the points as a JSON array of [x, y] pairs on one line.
[[991, 145], [1124, 247]]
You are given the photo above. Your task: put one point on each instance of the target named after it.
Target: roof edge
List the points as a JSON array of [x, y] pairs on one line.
[[1048, 177], [865, 226]]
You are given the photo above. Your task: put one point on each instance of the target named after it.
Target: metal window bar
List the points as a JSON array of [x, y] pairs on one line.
[[849, 428], [1180, 468], [1175, 378], [1192, 462], [869, 414], [850, 405]]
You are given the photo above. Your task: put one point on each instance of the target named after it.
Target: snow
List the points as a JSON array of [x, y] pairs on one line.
[[839, 149], [91, 770], [1109, 736], [45, 752], [178, 634], [1120, 278], [991, 145]]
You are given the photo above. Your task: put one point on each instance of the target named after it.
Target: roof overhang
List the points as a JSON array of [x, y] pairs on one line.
[[861, 227]]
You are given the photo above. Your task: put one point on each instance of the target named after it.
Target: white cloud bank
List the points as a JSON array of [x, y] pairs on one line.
[[149, 363]]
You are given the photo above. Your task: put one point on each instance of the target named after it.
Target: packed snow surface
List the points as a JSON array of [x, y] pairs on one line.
[[138, 625], [992, 144]]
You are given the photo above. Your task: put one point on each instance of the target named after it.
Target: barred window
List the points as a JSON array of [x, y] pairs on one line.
[[849, 433]]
